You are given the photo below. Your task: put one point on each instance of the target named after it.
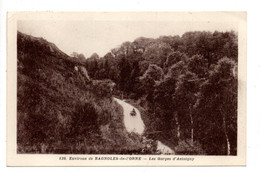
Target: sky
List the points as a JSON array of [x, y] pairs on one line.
[[88, 37]]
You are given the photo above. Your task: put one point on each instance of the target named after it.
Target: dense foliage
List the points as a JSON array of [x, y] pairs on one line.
[[60, 109], [187, 86]]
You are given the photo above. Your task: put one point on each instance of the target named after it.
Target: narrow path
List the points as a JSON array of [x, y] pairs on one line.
[[132, 123], [135, 124]]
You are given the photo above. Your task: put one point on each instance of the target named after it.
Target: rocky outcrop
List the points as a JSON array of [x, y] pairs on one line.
[[84, 72]]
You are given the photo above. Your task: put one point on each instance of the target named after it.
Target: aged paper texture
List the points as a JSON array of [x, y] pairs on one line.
[[126, 88]]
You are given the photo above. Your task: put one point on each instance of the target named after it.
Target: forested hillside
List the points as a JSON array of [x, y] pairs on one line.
[[186, 87], [61, 109]]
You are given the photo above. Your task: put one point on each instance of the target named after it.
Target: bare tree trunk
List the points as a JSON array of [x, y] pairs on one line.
[[225, 132], [191, 123], [226, 135], [178, 125]]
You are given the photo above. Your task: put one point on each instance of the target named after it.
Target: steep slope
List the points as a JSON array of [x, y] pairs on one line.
[[61, 110]]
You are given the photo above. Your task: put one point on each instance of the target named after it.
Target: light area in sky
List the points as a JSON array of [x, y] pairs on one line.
[[88, 37]]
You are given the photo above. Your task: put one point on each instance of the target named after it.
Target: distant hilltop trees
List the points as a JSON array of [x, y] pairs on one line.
[[80, 57], [187, 85]]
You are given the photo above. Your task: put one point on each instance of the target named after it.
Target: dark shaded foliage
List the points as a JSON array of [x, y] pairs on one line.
[[195, 97], [60, 109], [186, 87]]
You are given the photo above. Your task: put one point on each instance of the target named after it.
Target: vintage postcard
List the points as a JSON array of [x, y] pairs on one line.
[[126, 88]]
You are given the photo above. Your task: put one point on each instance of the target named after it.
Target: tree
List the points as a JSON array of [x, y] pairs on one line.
[[125, 72], [157, 53], [162, 102], [151, 76], [198, 65], [185, 98], [80, 57], [174, 58], [92, 65], [218, 109], [94, 56]]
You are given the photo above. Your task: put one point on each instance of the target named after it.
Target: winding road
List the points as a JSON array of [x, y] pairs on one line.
[[135, 124], [132, 123]]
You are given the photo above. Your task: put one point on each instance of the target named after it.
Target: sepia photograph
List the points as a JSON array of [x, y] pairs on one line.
[[115, 86]]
